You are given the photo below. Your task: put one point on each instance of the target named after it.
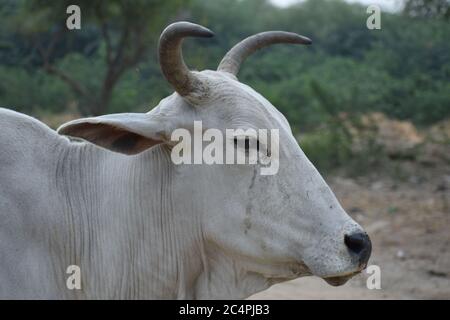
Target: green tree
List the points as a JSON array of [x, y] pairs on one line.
[[121, 32], [428, 8]]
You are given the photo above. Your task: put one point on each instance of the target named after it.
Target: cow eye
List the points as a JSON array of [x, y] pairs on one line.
[[246, 144]]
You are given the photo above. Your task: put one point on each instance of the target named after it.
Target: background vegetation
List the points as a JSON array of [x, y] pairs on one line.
[[110, 65]]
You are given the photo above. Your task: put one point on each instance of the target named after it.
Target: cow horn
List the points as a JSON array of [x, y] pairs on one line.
[[171, 57], [234, 58]]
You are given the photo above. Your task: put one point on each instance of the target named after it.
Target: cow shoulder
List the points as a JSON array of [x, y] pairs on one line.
[[23, 137]]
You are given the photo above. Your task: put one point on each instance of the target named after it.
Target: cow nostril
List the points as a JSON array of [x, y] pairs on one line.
[[359, 243], [355, 242]]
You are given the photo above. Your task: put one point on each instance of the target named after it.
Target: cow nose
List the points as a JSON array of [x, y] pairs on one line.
[[359, 244]]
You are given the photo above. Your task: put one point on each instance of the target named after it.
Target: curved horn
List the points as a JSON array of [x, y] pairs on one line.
[[234, 58], [171, 56]]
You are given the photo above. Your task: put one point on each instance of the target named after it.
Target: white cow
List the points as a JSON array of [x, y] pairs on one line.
[[139, 226]]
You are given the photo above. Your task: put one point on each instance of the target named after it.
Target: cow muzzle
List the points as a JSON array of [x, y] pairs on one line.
[[360, 246]]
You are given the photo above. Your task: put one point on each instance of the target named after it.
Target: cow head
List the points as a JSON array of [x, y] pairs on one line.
[[278, 226]]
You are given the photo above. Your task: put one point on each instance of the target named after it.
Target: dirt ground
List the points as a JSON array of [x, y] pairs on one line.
[[408, 221]]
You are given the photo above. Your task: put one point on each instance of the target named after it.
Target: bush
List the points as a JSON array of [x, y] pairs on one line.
[[22, 90]]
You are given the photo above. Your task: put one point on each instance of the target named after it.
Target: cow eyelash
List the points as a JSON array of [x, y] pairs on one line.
[[247, 145]]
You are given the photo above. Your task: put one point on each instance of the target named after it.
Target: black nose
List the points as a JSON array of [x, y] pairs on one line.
[[359, 243]]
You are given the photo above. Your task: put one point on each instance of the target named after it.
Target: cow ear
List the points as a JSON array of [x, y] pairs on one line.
[[127, 133]]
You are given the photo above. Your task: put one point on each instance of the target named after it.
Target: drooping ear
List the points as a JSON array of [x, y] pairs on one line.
[[127, 133]]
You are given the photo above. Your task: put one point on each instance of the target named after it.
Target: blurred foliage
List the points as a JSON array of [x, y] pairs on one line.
[[402, 70], [428, 8], [116, 37]]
